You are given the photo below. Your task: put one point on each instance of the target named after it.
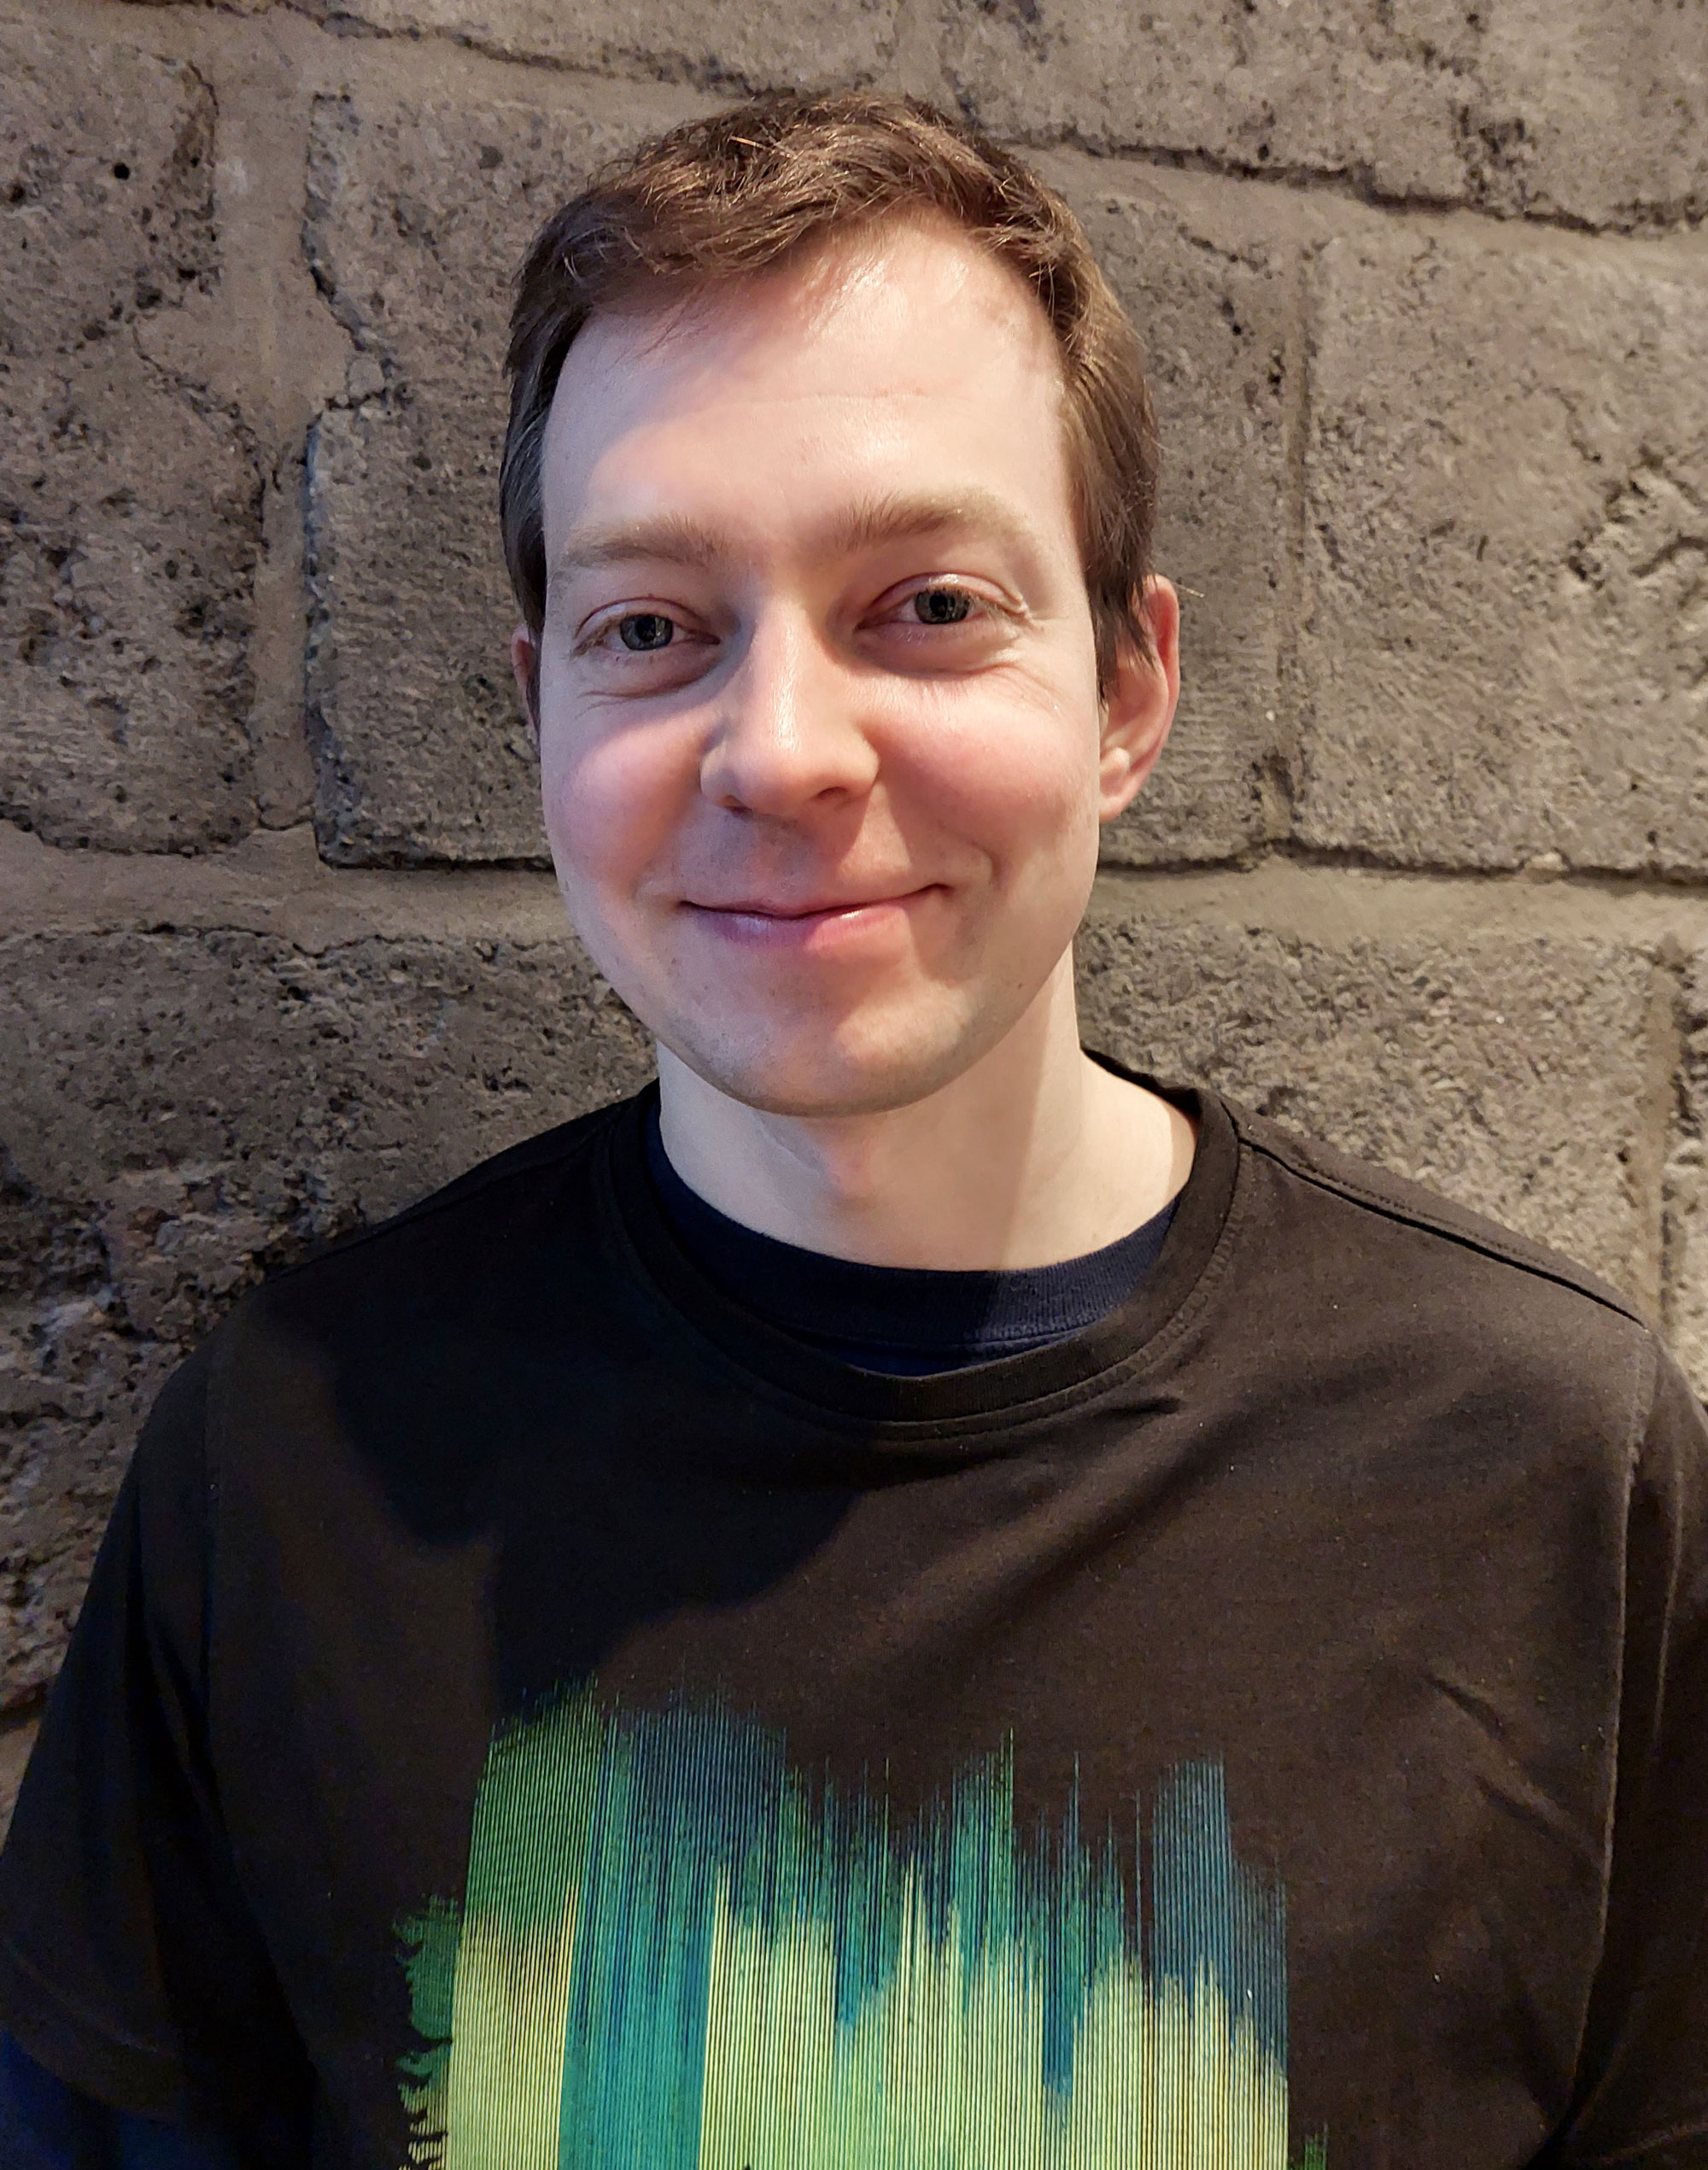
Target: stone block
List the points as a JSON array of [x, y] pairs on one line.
[[130, 505], [1506, 650], [729, 49], [1218, 314], [417, 219], [1505, 1067], [1686, 1183], [1596, 115], [180, 1112], [421, 748]]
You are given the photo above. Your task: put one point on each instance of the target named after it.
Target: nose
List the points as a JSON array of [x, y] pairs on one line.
[[788, 734]]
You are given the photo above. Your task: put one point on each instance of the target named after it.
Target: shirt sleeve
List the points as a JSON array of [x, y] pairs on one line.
[[45, 2124], [1643, 2099], [130, 1966]]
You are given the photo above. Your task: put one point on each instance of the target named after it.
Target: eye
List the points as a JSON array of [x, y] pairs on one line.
[[941, 605], [646, 631]]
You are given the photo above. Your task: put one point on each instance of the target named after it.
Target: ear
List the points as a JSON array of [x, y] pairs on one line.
[[524, 664], [1139, 706]]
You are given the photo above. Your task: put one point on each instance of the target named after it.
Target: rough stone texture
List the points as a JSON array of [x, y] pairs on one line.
[[416, 220], [1595, 113], [1509, 1071], [1218, 315], [129, 507], [1507, 541], [698, 41], [15, 1743], [181, 1111], [1686, 1316]]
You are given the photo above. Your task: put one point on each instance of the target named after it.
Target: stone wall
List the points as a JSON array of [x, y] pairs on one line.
[[1426, 298]]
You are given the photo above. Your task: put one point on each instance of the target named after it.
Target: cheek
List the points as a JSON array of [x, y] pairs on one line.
[[611, 800], [1018, 774]]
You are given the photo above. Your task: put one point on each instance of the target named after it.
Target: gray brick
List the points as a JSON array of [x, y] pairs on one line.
[[417, 219], [1686, 1183], [732, 49], [1508, 644], [1597, 114], [129, 506], [421, 751], [1503, 1066], [1218, 314], [181, 1112]]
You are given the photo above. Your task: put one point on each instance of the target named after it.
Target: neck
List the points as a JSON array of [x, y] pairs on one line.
[[1033, 1154]]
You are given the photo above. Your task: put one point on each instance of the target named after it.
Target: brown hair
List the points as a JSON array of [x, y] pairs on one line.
[[732, 196]]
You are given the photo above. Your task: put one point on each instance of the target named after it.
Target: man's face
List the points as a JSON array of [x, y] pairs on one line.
[[824, 756]]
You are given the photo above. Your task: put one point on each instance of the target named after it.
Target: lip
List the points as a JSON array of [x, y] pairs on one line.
[[756, 910], [764, 908], [771, 923]]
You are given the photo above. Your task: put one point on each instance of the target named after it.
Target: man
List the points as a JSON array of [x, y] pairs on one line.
[[906, 1598]]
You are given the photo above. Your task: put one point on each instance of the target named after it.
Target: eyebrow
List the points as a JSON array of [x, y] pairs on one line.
[[669, 539], [899, 519], [868, 524]]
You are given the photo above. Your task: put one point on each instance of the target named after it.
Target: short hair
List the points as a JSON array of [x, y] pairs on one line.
[[737, 194]]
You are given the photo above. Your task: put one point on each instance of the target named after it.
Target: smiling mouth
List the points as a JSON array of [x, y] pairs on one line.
[[846, 926], [839, 908]]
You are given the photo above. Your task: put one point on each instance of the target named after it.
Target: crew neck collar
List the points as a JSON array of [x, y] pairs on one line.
[[915, 1319], [965, 1400]]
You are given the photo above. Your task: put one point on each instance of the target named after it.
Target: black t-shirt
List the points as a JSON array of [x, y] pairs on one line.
[[530, 1710]]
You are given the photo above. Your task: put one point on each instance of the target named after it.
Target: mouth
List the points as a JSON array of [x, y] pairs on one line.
[[761, 907], [795, 922]]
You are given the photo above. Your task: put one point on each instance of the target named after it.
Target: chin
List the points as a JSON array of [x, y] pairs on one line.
[[860, 1067]]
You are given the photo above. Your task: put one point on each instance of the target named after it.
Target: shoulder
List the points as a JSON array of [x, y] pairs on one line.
[[494, 1186], [1450, 1235], [474, 1231], [411, 1349], [1389, 1276]]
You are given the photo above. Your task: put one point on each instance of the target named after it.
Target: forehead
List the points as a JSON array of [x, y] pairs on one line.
[[909, 356]]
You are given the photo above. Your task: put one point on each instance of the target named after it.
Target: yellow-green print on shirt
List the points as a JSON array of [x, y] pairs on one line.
[[676, 1952]]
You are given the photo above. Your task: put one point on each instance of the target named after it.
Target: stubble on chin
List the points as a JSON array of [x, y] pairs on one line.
[[858, 1065]]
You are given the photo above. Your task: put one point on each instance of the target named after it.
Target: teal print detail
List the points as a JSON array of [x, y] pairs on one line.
[[675, 1952]]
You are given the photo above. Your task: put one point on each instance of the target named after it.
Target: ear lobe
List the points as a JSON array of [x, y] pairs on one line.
[[1139, 706], [524, 665]]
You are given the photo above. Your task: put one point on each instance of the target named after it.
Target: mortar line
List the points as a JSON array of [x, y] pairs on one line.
[[666, 71], [1657, 1122], [1325, 183], [1683, 885], [57, 867], [1297, 586]]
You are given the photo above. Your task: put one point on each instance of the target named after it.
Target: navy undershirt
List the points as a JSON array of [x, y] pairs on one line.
[[45, 2123], [900, 1318], [911, 1320]]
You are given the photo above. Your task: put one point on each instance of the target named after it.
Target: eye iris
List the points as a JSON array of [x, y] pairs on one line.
[[940, 606], [646, 630]]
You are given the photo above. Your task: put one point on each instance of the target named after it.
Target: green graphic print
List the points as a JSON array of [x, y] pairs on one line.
[[678, 1952]]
